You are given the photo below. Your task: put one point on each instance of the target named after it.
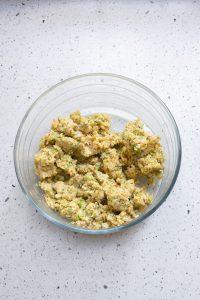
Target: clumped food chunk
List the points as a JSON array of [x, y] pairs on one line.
[[141, 198], [135, 137], [111, 164], [96, 143], [67, 144], [91, 175], [45, 162], [118, 198], [67, 164], [143, 152]]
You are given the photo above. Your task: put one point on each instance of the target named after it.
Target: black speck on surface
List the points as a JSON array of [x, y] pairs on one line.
[[13, 185], [58, 287], [105, 286], [6, 199], [43, 21], [23, 3], [118, 245], [17, 14], [174, 20], [188, 211]]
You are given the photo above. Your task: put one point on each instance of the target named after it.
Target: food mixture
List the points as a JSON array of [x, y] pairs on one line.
[[92, 175]]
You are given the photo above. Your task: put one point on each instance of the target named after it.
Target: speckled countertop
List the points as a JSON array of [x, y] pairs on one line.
[[156, 43]]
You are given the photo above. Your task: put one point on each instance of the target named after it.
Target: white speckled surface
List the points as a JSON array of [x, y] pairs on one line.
[[156, 43]]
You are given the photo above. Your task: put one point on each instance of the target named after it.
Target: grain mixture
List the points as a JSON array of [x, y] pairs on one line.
[[91, 175]]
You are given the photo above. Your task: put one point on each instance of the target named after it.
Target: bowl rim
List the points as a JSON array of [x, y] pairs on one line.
[[133, 222]]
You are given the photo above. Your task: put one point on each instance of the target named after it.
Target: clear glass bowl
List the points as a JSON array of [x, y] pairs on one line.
[[123, 99]]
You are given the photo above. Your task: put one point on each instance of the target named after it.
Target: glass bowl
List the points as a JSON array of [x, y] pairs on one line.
[[123, 99]]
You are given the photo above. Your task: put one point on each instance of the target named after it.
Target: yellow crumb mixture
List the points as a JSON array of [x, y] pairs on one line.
[[91, 175]]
